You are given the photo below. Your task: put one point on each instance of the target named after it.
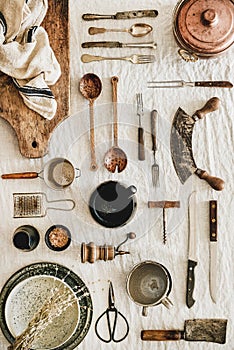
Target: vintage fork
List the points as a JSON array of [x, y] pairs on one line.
[[136, 59], [140, 113], [155, 166]]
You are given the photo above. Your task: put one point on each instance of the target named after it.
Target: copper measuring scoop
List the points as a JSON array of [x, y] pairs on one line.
[[115, 157], [90, 88]]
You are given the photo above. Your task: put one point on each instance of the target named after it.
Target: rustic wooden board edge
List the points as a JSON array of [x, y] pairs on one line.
[[32, 130]]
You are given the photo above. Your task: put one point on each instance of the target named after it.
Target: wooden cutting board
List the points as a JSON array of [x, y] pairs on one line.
[[32, 130]]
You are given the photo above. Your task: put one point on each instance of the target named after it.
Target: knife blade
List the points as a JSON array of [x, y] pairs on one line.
[[182, 83], [121, 15], [192, 249], [213, 249], [113, 44]]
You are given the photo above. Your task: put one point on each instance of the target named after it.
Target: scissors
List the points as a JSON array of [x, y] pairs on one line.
[[111, 309]]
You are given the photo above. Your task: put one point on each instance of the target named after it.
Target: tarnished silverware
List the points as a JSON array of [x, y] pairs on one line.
[[155, 166], [182, 83], [136, 59], [140, 113], [114, 44], [136, 30]]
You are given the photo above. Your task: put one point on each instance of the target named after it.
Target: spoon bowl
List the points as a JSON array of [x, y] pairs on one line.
[[90, 88], [115, 157]]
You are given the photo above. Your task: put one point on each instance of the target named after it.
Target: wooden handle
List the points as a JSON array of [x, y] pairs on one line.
[[95, 30], [154, 114], [141, 147], [26, 175], [163, 204], [210, 106], [215, 182], [213, 221], [114, 82], [190, 283], [93, 165], [219, 84], [161, 335]]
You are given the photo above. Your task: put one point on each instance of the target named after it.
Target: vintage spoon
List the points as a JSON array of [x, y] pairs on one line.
[[136, 30], [115, 157], [90, 88]]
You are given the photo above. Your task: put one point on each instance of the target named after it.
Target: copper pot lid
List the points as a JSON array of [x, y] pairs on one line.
[[204, 26]]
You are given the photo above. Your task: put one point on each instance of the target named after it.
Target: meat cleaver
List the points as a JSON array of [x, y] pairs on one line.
[[181, 144], [208, 330]]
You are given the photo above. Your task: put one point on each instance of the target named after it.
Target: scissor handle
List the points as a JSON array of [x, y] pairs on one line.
[[110, 329]]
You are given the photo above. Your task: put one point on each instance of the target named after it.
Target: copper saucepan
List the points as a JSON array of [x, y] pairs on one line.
[[203, 28]]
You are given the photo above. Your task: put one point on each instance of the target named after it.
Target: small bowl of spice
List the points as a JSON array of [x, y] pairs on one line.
[[58, 237]]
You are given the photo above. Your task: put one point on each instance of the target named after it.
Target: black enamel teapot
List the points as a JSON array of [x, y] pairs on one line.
[[112, 204]]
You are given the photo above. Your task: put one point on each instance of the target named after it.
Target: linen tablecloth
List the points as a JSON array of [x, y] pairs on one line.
[[212, 148]]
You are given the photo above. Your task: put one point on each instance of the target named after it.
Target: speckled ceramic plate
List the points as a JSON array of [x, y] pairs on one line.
[[26, 291]]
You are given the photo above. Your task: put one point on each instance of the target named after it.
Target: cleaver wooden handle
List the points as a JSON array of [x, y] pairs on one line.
[[26, 175], [162, 335], [210, 106], [215, 182]]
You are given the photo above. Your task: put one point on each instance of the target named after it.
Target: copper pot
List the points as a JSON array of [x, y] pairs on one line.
[[204, 28]]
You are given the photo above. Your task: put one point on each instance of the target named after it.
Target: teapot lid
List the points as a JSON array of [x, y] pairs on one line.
[[204, 26]]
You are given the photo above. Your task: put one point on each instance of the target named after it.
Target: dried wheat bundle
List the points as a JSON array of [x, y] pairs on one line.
[[61, 298]]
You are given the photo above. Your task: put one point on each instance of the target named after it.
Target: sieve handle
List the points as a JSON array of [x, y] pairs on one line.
[[26, 175], [59, 204]]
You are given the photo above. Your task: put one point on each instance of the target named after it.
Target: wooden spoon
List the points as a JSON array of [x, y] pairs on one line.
[[115, 157], [90, 88]]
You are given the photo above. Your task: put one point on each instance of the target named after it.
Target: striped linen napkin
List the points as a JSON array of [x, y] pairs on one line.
[[26, 55]]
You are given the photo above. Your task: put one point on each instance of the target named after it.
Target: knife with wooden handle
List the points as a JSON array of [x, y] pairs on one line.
[[114, 44], [213, 249], [192, 258], [208, 330], [121, 15]]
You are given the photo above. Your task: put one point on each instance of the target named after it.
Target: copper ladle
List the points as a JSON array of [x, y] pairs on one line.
[[115, 157], [90, 88]]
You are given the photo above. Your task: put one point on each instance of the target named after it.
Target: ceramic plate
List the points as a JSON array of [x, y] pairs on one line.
[[26, 291]]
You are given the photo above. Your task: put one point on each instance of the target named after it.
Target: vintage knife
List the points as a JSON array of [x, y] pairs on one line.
[[181, 145], [182, 83], [208, 330], [192, 247], [121, 15], [113, 44], [213, 249]]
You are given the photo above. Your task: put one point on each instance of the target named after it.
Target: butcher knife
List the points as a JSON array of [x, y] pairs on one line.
[[121, 15], [192, 259], [208, 330], [213, 249], [181, 145]]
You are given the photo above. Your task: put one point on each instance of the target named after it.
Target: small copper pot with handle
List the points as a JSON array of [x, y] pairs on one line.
[[203, 28]]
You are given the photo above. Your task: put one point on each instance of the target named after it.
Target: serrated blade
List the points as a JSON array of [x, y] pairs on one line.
[[213, 271], [192, 250]]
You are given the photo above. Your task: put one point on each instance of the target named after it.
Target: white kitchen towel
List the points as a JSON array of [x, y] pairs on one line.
[[26, 55]]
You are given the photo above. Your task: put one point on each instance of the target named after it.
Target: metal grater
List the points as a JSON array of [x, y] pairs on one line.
[[27, 205]]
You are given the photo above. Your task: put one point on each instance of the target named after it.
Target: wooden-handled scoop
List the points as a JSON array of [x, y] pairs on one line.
[[208, 330]]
